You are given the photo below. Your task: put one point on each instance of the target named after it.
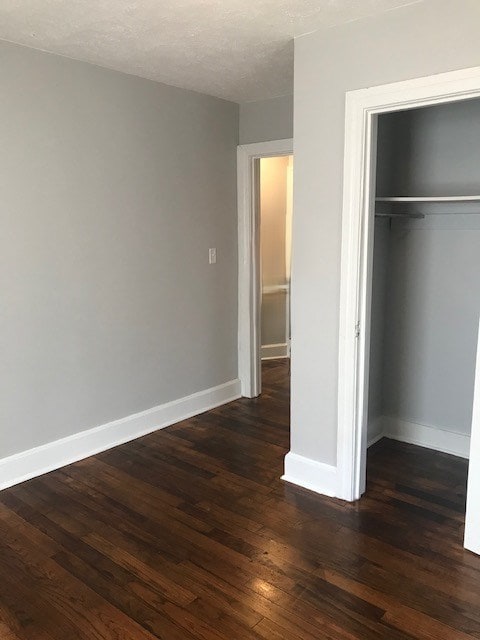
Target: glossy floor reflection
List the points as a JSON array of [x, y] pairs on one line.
[[190, 533]]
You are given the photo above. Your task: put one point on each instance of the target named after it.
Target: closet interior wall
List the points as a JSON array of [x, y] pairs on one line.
[[425, 298]]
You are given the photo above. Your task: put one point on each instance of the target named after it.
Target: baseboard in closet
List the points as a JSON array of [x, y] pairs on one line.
[[53, 455], [457, 444]]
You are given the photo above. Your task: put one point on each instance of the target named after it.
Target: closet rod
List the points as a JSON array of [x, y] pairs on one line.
[[428, 213], [418, 216], [473, 198]]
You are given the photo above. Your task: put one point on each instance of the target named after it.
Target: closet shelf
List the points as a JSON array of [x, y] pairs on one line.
[[418, 200], [428, 199]]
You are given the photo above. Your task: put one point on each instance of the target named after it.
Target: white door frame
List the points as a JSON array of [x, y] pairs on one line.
[[249, 289], [362, 107]]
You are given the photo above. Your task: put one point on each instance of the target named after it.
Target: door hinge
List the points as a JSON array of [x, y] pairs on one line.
[[357, 330]]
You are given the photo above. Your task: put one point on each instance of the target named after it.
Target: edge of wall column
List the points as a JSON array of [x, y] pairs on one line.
[[310, 474]]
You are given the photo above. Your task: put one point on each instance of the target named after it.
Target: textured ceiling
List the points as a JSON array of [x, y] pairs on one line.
[[241, 50]]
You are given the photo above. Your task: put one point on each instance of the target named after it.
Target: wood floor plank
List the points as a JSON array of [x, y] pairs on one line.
[[188, 533]]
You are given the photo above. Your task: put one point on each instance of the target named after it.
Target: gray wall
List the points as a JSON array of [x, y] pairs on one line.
[[433, 301], [430, 150], [432, 322], [112, 190], [417, 40], [266, 120]]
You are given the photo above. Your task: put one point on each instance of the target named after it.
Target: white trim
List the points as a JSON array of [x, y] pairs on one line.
[[354, 336], [53, 455], [361, 107], [274, 351], [249, 260], [457, 444], [288, 250], [310, 474], [472, 517], [422, 435]]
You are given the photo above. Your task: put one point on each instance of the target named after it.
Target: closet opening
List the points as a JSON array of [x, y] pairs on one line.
[[425, 305], [358, 332]]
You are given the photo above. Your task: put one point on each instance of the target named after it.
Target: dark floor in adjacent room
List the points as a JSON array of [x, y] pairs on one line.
[[190, 533]]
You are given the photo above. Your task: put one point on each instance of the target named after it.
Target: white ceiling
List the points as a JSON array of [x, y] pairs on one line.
[[241, 50]]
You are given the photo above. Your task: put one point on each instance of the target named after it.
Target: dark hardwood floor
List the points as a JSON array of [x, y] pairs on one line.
[[189, 533]]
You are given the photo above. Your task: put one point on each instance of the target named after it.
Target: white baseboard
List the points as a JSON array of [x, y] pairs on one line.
[[272, 351], [310, 474], [53, 455], [457, 444]]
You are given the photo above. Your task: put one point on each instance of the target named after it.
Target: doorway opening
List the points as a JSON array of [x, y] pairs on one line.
[[275, 211], [425, 304], [265, 185], [410, 247]]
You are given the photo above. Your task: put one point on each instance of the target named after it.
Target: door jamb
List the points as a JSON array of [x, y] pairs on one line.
[[362, 107], [249, 293], [472, 515]]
